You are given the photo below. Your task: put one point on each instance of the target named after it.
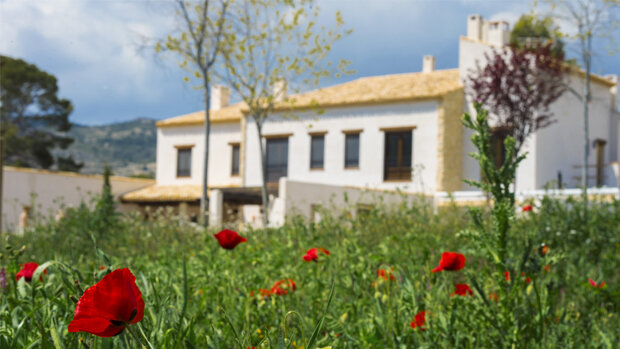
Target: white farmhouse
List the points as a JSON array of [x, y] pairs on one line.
[[388, 132]]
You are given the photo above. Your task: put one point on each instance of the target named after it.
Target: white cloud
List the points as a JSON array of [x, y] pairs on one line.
[[86, 42]]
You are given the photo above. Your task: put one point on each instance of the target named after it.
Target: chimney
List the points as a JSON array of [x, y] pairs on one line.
[[428, 64], [613, 90], [474, 27], [220, 97], [498, 33], [280, 90]]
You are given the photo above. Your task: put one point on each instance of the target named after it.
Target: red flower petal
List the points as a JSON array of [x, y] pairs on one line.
[[107, 306], [27, 271], [527, 208], [311, 255], [463, 290], [452, 261], [419, 321], [592, 282], [507, 275], [229, 239]]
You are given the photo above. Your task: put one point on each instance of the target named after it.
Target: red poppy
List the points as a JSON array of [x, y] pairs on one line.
[[543, 249], [263, 293], [494, 297], [313, 255], [547, 268], [593, 283], [527, 208], [283, 287], [507, 275], [527, 278], [382, 273], [450, 261], [419, 321], [27, 271], [229, 239], [107, 307], [463, 290]]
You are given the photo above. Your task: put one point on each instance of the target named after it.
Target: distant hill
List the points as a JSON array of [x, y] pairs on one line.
[[127, 147]]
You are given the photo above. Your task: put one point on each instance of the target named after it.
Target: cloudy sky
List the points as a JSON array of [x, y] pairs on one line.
[[95, 47]]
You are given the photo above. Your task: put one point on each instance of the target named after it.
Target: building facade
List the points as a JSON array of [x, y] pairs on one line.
[[389, 132]]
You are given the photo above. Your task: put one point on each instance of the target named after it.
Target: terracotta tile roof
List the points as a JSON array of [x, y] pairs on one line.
[[168, 193], [364, 91], [232, 113], [164, 193], [381, 89]]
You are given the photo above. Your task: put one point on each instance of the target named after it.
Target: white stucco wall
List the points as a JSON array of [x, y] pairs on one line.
[[220, 155], [47, 192], [422, 115], [558, 147]]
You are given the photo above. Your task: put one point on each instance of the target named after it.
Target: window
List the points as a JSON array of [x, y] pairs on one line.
[[317, 151], [397, 160], [235, 159], [498, 148], [184, 162], [352, 150], [277, 159]]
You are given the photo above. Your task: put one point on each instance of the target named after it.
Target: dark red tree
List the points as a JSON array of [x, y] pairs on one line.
[[517, 86]]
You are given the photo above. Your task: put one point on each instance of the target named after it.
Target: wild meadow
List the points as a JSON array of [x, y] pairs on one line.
[[527, 275]]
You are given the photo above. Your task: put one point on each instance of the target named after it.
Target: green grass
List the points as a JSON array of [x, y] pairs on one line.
[[557, 309]]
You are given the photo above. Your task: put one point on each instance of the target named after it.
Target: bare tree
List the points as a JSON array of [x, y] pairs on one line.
[[589, 19], [199, 43], [274, 44]]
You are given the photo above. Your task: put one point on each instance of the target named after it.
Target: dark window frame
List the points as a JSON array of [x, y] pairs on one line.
[[235, 170], [402, 167], [184, 172], [284, 167], [349, 162], [315, 163]]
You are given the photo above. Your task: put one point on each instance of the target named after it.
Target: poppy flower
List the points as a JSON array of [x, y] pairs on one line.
[[229, 239], [527, 208], [263, 293], [419, 321], [494, 297], [283, 287], [107, 307], [507, 275], [313, 254], [452, 261], [547, 268], [382, 273], [527, 278], [543, 249], [27, 271], [593, 283], [463, 290]]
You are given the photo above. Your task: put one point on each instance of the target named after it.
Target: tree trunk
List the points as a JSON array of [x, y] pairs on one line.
[[263, 162], [586, 100], [204, 200]]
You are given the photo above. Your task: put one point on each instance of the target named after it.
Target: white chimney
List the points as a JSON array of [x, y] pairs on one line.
[[428, 64], [474, 27], [280, 90], [614, 91], [220, 97], [498, 33]]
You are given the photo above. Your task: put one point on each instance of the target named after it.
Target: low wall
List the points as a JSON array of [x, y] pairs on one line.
[[302, 198], [46, 192]]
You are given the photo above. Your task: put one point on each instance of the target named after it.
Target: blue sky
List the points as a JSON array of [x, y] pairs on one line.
[[94, 47]]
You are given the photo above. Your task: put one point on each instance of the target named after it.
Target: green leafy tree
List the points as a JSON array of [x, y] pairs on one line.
[[530, 31], [198, 43], [273, 46], [33, 116]]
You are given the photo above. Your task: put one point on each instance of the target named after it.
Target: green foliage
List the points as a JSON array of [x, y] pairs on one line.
[[33, 118], [530, 30]]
